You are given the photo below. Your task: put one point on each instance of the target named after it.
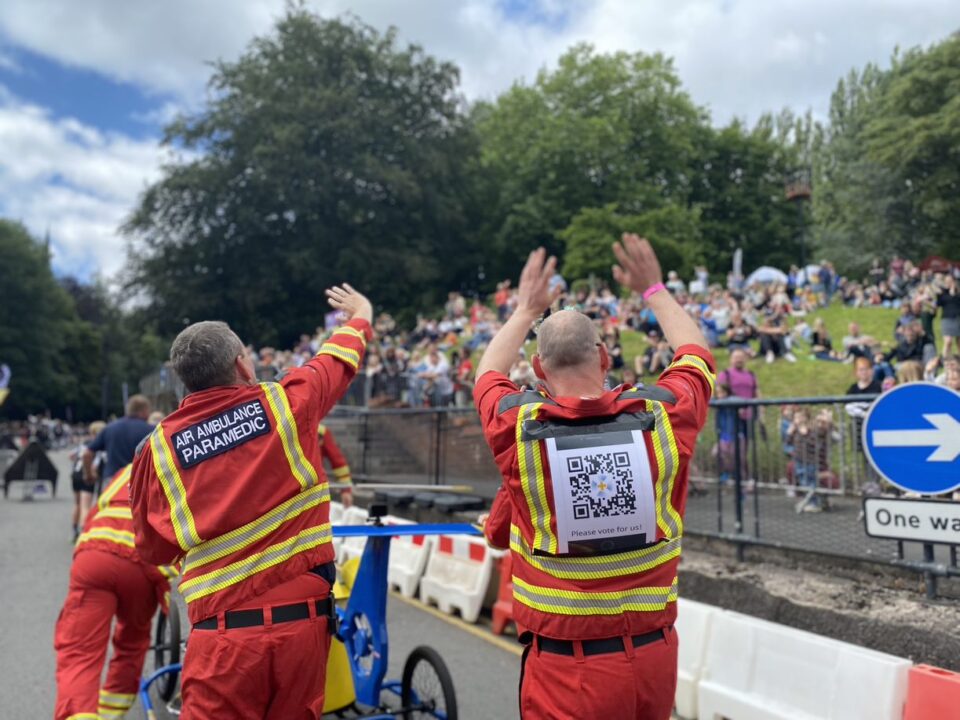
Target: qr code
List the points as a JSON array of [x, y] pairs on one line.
[[601, 485]]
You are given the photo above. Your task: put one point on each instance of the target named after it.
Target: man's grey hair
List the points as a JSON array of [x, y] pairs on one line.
[[204, 354], [567, 339]]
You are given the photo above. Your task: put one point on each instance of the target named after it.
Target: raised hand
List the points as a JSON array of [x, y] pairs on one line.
[[534, 295], [638, 267], [352, 303]]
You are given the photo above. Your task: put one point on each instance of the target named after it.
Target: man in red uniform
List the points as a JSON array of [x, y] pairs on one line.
[[596, 481], [107, 579], [331, 452], [232, 483]]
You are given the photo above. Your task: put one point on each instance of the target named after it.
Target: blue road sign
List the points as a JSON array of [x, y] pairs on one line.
[[912, 438]]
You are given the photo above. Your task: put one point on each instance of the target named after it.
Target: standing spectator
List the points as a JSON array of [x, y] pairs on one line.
[[727, 428], [118, 440], [82, 489], [502, 300], [806, 439], [866, 383], [949, 302], [743, 384], [436, 372], [675, 284]]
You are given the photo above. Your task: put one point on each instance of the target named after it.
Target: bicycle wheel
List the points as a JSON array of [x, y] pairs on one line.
[[166, 650], [427, 688]]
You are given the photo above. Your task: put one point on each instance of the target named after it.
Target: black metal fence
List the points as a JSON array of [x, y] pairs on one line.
[[787, 473]]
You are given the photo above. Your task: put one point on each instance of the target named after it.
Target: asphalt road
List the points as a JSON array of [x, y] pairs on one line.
[[35, 553]]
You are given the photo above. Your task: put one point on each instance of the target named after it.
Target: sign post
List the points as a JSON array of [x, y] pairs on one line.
[[911, 436]]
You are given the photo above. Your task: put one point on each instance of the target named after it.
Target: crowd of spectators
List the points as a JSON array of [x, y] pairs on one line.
[[772, 318]]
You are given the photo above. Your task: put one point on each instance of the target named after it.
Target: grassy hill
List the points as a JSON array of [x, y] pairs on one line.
[[808, 377]]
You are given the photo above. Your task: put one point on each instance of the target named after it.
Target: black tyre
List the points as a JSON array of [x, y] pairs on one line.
[[166, 650], [427, 687]]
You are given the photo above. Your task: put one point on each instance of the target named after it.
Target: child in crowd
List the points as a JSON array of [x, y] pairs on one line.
[[726, 422]]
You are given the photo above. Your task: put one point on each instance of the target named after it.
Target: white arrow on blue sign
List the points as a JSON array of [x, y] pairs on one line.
[[912, 438]]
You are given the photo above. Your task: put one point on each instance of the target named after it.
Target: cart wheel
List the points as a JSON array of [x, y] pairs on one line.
[[166, 650], [427, 686]]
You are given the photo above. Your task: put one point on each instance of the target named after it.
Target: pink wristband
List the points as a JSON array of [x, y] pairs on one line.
[[653, 289]]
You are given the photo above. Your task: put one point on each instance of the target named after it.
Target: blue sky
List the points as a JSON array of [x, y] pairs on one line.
[[85, 87]]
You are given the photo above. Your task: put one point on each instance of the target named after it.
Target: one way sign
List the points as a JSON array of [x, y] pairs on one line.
[[912, 438]]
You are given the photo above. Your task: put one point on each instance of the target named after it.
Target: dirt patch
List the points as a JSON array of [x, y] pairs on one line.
[[865, 611]]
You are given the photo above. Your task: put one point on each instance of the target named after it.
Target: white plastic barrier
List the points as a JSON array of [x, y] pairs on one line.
[[457, 575], [352, 546], [408, 558], [336, 513], [757, 670], [693, 630]]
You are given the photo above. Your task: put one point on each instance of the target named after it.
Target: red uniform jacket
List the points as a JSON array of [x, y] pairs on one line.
[[331, 452], [624, 586], [109, 528], [232, 481]]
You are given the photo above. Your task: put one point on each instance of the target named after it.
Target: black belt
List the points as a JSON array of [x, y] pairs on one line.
[[281, 614], [596, 647]]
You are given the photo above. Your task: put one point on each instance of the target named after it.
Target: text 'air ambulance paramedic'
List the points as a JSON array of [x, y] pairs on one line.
[[107, 579], [232, 483], [596, 485]]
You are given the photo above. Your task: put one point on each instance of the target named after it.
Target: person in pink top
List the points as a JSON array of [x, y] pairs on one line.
[[743, 384]]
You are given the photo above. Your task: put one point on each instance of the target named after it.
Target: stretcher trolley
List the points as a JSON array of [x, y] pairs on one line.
[[356, 668]]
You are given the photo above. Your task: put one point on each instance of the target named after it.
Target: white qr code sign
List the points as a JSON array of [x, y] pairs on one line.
[[602, 488]]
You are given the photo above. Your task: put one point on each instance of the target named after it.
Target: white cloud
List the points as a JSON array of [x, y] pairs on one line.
[[72, 180], [737, 57]]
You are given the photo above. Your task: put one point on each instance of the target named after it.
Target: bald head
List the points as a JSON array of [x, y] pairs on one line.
[[567, 339]]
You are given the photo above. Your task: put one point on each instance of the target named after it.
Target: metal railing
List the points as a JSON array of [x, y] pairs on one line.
[[757, 478]]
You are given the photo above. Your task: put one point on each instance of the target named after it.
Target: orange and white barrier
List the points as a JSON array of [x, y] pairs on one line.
[[408, 558], [693, 630], [503, 607], [458, 575], [758, 670], [932, 694]]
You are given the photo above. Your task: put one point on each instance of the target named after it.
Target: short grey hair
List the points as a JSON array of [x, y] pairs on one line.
[[567, 339], [203, 355]]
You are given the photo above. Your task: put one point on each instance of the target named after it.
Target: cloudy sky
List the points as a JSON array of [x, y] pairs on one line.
[[85, 87]]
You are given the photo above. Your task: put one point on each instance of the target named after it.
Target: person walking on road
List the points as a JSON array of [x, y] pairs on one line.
[[118, 440], [232, 483], [597, 483], [107, 580]]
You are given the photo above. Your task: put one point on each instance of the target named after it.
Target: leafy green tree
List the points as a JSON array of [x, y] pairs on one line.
[[326, 153]]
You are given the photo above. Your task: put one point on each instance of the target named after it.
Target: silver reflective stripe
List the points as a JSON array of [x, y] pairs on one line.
[[597, 567], [667, 471], [533, 480], [600, 603], [306, 474], [256, 529], [274, 555], [168, 478]]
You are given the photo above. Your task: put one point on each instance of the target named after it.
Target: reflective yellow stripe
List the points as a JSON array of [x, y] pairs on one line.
[[573, 602], [301, 468], [698, 363], [117, 700], [84, 716], [532, 481], [180, 515], [121, 537], [203, 585], [257, 529], [169, 571], [668, 462], [596, 567], [349, 356], [121, 513], [345, 330], [341, 472], [107, 713], [114, 487]]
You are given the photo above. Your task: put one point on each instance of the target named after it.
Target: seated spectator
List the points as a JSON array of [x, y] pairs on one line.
[[523, 376], [611, 339], [739, 334], [820, 342], [655, 358], [909, 371], [914, 346], [854, 344], [772, 333]]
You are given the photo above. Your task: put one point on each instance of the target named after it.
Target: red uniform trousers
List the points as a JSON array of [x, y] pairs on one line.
[[102, 585], [268, 672], [636, 684]]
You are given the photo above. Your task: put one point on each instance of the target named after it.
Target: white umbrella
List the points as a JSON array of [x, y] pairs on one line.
[[766, 274]]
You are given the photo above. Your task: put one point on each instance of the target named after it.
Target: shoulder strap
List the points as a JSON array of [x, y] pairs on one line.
[[649, 392], [526, 397]]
